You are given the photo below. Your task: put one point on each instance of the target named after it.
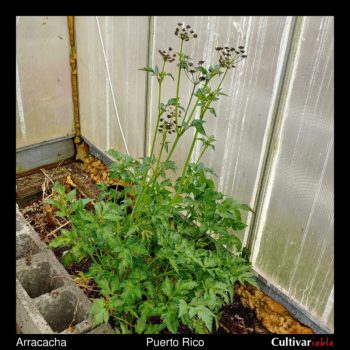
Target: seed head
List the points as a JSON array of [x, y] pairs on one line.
[[167, 56], [229, 56], [170, 123], [184, 32]]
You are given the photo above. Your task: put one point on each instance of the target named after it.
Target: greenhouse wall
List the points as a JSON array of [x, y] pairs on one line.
[[294, 237], [124, 44], [44, 108], [274, 132]]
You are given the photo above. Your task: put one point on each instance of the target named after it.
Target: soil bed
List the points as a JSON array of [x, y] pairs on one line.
[[235, 318]]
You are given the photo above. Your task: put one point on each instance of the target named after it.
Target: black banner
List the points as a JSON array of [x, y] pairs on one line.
[[178, 342]]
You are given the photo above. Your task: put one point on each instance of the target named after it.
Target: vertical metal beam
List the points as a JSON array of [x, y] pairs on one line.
[[74, 78], [275, 128]]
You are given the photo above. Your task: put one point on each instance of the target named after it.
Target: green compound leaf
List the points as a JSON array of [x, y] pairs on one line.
[[98, 312]]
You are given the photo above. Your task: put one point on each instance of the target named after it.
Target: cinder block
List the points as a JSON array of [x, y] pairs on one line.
[[25, 246], [64, 310], [47, 299], [27, 240], [28, 317], [102, 329], [39, 279]]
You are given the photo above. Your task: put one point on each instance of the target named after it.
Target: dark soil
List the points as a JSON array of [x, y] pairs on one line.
[[235, 318], [35, 215]]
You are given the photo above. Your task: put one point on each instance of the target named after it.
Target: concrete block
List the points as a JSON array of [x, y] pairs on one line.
[[47, 299], [27, 240], [102, 329], [64, 310], [39, 279]]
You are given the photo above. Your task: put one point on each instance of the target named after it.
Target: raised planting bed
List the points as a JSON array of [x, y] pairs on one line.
[[237, 317]]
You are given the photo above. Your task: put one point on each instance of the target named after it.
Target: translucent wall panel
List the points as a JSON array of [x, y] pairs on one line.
[[125, 40], [44, 109], [244, 116], [294, 240]]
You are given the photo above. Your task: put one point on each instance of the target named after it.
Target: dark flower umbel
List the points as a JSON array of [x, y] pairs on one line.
[[168, 121], [168, 56], [229, 56], [185, 32], [193, 72]]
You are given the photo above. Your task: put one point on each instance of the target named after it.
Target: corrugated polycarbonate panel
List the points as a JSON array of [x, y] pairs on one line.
[[125, 40], [294, 240], [244, 117], [44, 108]]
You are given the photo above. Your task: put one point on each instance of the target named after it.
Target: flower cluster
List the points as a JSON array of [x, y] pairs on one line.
[[193, 72], [168, 123], [185, 32], [168, 56], [229, 56]]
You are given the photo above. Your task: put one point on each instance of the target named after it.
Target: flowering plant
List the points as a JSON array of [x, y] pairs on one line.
[[161, 250]]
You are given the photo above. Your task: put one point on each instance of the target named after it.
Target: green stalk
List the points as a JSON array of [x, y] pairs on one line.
[[185, 167], [157, 125], [153, 142], [178, 136], [192, 146], [203, 111], [188, 157], [93, 259], [165, 273], [202, 153], [159, 112], [199, 158], [189, 103], [193, 109], [178, 86], [173, 147], [155, 175]]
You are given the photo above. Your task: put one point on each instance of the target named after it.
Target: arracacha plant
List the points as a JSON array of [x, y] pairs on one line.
[[162, 252]]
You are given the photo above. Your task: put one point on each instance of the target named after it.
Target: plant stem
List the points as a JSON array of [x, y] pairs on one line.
[[189, 103], [199, 158], [159, 112], [178, 86], [93, 259], [153, 261], [202, 153], [184, 170], [121, 319], [172, 149], [155, 174], [178, 136], [160, 81], [203, 111], [166, 273], [193, 109]]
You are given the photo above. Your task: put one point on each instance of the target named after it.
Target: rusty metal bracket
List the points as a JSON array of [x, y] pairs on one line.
[[74, 78]]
